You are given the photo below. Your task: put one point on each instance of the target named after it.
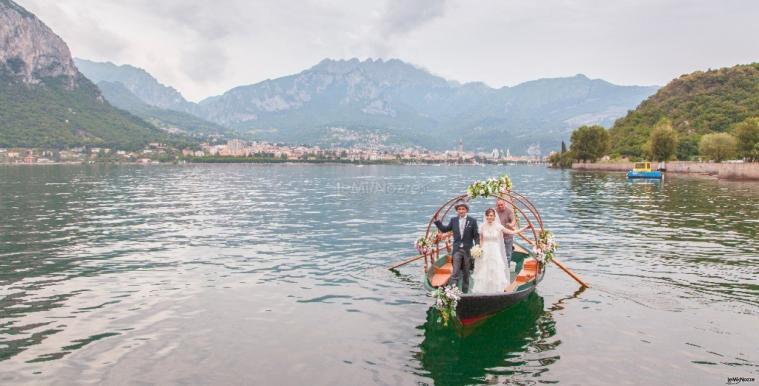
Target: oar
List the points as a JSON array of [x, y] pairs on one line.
[[562, 266], [402, 263], [570, 273]]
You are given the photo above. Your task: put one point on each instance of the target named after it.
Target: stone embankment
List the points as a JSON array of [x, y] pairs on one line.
[[727, 171]]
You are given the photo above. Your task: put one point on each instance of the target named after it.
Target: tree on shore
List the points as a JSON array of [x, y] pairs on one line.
[[589, 143], [747, 136], [687, 148], [561, 160], [663, 141], [718, 147]]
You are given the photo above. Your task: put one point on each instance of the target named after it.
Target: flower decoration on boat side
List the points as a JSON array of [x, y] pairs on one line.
[[446, 300], [546, 247], [490, 187], [425, 245], [476, 252]]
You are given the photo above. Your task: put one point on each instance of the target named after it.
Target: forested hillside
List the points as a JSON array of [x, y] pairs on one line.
[[696, 104]]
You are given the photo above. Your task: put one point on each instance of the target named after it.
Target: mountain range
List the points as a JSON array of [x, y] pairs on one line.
[[45, 101], [133, 89], [344, 102]]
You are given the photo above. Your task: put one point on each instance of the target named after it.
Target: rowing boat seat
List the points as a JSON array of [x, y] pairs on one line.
[[524, 277], [529, 271], [442, 274]]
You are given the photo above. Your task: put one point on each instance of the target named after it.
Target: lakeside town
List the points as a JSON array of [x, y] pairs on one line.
[[236, 150]]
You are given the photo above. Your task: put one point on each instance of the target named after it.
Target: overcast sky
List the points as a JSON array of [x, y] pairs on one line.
[[204, 48]]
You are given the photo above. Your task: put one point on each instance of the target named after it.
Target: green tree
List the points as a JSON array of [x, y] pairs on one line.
[[687, 148], [718, 147], [553, 159], [589, 143], [561, 160], [663, 141], [747, 134]]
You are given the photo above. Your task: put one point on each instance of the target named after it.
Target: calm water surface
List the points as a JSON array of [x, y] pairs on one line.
[[250, 274]]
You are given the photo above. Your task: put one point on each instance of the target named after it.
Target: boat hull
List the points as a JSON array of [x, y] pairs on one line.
[[473, 308], [652, 174]]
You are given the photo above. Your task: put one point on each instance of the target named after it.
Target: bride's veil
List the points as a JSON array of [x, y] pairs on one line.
[[499, 240]]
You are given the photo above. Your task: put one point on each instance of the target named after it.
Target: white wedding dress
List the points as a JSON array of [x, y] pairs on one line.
[[490, 274]]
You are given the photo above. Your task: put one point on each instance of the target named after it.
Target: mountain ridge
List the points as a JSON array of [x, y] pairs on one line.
[[168, 120], [398, 98], [137, 81], [45, 100], [395, 100]]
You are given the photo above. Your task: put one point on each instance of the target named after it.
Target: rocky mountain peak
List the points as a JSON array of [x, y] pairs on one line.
[[137, 81], [29, 50], [384, 70]]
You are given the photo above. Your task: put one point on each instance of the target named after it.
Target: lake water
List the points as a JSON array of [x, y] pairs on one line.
[[256, 274]]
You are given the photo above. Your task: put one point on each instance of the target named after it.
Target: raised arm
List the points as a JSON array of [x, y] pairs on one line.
[[510, 232], [441, 227], [513, 222]]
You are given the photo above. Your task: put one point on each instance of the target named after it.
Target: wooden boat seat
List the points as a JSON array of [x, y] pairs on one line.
[[524, 277], [529, 271], [442, 274], [446, 268], [439, 279]]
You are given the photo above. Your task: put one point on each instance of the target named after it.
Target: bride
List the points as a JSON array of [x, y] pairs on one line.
[[490, 271]]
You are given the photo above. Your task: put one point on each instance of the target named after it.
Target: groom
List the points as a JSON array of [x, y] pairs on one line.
[[465, 235]]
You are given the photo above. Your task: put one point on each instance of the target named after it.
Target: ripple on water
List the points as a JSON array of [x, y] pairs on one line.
[[138, 268]]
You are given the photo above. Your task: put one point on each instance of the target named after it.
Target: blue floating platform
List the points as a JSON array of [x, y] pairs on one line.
[[652, 174]]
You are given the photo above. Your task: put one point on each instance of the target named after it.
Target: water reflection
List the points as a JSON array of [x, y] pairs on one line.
[[516, 344], [98, 260], [681, 233]]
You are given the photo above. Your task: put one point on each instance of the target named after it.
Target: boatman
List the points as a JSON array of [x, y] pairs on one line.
[[509, 221]]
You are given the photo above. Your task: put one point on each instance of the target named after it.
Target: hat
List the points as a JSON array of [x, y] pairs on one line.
[[461, 203]]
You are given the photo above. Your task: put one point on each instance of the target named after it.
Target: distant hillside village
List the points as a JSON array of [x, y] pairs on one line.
[[237, 150]]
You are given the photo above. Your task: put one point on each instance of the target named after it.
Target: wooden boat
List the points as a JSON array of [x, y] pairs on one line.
[[529, 271], [475, 307], [643, 170]]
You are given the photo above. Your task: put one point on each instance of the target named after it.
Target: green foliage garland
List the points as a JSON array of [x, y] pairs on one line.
[[489, 187]]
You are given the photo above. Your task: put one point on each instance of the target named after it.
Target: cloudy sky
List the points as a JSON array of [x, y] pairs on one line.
[[204, 48]]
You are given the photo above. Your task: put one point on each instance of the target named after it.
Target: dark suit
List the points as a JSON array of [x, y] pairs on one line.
[[462, 244]]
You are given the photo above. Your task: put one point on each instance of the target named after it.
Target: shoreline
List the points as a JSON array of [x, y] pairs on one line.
[[747, 171], [272, 162]]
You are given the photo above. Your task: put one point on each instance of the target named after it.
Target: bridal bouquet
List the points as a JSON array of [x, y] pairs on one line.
[[446, 300], [476, 252]]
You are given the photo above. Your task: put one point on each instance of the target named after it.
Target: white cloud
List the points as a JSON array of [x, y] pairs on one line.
[[204, 48]]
